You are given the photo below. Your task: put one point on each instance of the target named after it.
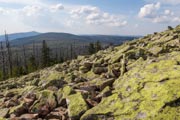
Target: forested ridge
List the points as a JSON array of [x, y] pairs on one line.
[[19, 61]]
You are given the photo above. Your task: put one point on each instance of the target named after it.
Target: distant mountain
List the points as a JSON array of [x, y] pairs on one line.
[[19, 35], [70, 38], [115, 39]]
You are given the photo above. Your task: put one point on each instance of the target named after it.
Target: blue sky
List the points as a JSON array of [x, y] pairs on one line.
[[116, 17]]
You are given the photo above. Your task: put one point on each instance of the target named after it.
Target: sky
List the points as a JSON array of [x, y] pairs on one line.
[[110, 17]]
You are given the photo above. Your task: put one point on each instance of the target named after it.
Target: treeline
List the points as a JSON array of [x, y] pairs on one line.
[[18, 61]]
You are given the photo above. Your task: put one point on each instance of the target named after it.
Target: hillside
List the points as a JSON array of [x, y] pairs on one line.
[[19, 35], [66, 38], [137, 80]]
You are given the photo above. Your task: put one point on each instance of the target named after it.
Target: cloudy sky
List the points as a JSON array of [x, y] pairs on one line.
[[117, 17]]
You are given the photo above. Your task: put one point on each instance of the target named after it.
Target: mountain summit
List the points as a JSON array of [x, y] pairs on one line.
[[19, 35], [137, 80]]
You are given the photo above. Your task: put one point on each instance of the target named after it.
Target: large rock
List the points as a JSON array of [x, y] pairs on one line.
[[28, 116], [12, 92], [86, 66], [19, 110], [4, 112], [51, 79], [76, 106], [58, 113], [156, 50], [100, 70], [45, 103]]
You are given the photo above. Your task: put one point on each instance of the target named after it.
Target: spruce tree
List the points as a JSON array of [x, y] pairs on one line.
[[16, 68], [45, 55], [32, 66], [98, 46], [91, 48]]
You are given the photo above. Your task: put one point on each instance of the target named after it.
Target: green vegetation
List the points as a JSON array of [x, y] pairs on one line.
[[45, 58], [94, 47]]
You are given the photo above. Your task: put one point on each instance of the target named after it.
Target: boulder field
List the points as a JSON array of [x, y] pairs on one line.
[[139, 80]]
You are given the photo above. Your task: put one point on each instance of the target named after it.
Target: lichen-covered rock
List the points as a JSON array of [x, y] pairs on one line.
[[108, 107], [104, 93], [46, 102], [2, 118], [4, 112], [76, 106], [58, 114], [28, 116], [84, 69], [156, 50], [100, 70], [142, 93], [19, 110], [12, 92], [53, 79]]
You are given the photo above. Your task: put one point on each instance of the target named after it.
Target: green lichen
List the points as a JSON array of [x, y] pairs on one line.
[[67, 90], [143, 91], [107, 106], [3, 118], [76, 106], [156, 50], [18, 110], [45, 97], [53, 79], [4, 112], [169, 113]]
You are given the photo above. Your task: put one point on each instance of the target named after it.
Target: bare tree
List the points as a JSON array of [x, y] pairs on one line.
[[71, 51], [34, 50], [9, 54], [25, 62], [3, 62], [17, 65]]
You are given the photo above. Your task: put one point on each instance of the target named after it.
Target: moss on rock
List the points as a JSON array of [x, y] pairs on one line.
[[76, 106], [46, 98], [53, 79]]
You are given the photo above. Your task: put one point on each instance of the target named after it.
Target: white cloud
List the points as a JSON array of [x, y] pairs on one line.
[[153, 12], [2, 11], [173, 2], [149, 10], [176, 19], [22, 2], [31, 16], [93, 15], [85, 10], [168, 12], [167, 2], [32, 10], [57, 7], [161, 19]]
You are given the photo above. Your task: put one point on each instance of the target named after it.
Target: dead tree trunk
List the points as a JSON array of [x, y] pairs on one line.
[[71, 50], [3, 62], [9, 54], [25, 62], [17, 63]]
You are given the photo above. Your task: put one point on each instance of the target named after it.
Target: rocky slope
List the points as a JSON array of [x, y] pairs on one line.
[[137, 80]]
